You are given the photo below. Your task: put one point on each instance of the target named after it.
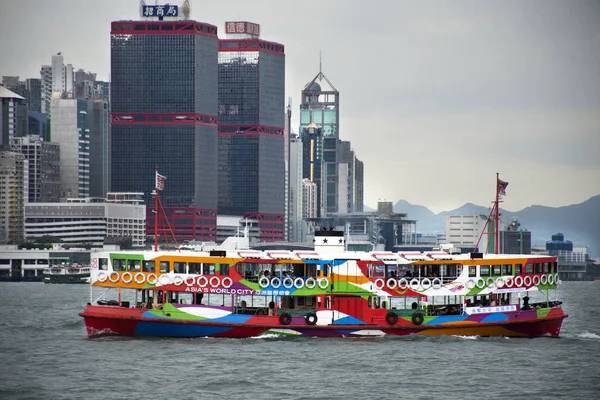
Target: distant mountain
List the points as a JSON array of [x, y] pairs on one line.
[[580, 223]]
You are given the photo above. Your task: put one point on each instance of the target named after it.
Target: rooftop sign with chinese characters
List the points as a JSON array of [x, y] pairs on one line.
[[242, 27], [160, 11]]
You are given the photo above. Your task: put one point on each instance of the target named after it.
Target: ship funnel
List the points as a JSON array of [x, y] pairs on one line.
[[328, 241]]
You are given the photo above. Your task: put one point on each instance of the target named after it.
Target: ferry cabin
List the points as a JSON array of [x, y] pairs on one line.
[[373, 287]]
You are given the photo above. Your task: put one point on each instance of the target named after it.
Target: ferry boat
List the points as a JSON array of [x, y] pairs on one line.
[[73, 273], [326, 292]]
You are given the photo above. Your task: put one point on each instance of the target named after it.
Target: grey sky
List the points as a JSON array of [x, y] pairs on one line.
[[436, 96]]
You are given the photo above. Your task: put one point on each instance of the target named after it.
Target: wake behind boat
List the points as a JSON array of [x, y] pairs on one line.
[[327, 293]]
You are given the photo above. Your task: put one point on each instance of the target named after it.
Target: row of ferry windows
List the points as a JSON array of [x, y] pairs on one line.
[[247, 270], [506, 269]]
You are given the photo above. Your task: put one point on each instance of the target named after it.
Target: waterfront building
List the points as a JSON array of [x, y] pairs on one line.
[[44, 167], [514, 240], [464, 232], [13, 115], [90, 221], [164, 114], [14, 176], [251, 128], [29, 264]]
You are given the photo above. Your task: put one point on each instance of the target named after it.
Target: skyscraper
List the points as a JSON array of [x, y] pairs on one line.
[[319, 124], [251, 128], [163, 113]]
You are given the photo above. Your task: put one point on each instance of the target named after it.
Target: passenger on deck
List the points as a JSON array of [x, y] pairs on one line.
[[199, 296], [408, 274], [526, 305]]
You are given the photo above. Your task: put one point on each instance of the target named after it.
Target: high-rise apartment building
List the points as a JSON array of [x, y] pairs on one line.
[[251, 128], [46, 88], [164, 114], [44, 167], [13, 195], [34, 94], [13, 115]]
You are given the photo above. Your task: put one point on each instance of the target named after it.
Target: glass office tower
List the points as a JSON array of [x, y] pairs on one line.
[[163, 114], [251, 117]]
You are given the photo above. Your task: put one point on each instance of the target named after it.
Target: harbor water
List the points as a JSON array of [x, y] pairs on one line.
[[46, 355]]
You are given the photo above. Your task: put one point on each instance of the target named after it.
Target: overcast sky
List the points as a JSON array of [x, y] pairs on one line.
[[436, 96]]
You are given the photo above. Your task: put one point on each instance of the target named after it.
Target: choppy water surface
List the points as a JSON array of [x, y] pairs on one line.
[[45, 353]]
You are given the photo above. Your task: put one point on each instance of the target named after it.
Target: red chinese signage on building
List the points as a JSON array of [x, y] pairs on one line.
[[242, 27]]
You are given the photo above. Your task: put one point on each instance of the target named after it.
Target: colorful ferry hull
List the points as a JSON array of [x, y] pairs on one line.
[[324, 294]]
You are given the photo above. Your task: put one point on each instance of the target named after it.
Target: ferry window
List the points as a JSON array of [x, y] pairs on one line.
[[148, 266], [546, 268], [118, 264], [529, 268], [208, 269], [179, 267], [224, 269], [554, 269], [164, 266], [134, 265], [518, 269], [103, 263], [539, 268], [311, 270], [507, 269], [484, 270], [496, 270], [472, 270], [194, 268]]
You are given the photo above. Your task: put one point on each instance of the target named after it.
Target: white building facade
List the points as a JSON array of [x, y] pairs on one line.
[[89, 221]]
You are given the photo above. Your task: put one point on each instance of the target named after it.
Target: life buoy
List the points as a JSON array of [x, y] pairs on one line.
[[551, 279], [391, 318], [311, 318], [499, 283], [127, 277], [557, 279], [113, 277], [310, 283], [489, 282], [214, 281], [190, 281], [227, 282], [275, 282], [418, 318], [470, 284], [402, 284], [518, 281], [426, 283], [527, 281], [298, 283], [480, 283], [177, 280], [202, 281], [392, 283], [379, 283], [263, 281], [436, 283], [536, 280], [414, 284], [509, 281], [288, 283], [323, 283], [140, 278], [164, 279], [151, 279], [544, 279], [102, 276], [285, 319]]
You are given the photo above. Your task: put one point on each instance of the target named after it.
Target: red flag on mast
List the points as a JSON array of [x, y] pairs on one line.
[[160, 181], [502, 187]]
